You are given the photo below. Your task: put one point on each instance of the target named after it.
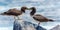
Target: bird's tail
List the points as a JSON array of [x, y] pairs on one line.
[[50, 20], [1, 14]]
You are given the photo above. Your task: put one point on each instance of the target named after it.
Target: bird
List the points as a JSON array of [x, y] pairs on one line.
[[38, 17], [14, 12]]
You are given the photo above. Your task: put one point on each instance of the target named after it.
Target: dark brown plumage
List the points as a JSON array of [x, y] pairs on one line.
[[38, 17], [15, 12]]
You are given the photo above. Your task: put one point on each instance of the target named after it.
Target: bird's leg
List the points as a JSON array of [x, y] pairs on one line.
[[38, 23], [14, 17], [19, 18]]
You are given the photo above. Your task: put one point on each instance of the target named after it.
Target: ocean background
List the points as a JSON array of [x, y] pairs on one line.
[[47, 8]]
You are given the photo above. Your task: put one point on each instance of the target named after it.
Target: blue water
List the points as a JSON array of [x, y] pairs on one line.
[[47, 8]]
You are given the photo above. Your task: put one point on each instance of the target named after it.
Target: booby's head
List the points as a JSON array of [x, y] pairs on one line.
[[23, 9], [33, 11]]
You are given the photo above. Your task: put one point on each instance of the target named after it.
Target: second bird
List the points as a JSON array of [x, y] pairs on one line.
[[38, 17]]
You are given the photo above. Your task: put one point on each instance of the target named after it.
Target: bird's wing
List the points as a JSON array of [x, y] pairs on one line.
[[39, 17], [14, 11]]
